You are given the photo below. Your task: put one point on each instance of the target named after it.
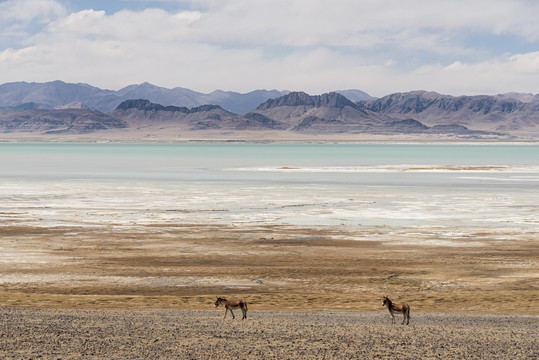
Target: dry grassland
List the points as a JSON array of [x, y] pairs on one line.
[[273, 267]]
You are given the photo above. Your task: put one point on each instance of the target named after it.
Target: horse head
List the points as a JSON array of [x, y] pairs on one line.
[[219, 301]]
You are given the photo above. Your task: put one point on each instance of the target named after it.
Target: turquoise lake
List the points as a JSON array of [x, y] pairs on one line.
[[450, 186]]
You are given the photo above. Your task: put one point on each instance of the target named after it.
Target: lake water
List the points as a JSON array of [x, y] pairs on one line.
[[452, 187]]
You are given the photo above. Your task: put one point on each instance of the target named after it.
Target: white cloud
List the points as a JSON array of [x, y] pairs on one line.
[[148, 25], [316, 46], [518, 73], [308, 22], [17, 15], [525, 64], [25, 11]]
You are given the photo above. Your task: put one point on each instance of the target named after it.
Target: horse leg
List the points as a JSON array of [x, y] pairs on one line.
[[244, 311], [392, 317], [408, 317], [226, 310], [233, 317]]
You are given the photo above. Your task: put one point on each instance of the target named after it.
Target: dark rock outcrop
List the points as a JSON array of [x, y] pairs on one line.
[[330, 100], [146, 105]]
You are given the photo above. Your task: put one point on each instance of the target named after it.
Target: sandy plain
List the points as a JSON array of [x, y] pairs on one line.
[[147, 292], [27, 333]]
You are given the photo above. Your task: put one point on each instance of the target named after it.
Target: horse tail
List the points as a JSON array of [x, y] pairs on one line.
[[245, 304]]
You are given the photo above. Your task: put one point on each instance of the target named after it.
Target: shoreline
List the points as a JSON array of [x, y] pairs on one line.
[[271, 141]]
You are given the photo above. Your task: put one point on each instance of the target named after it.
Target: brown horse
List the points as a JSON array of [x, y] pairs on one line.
[[393, 308], [233, 304]]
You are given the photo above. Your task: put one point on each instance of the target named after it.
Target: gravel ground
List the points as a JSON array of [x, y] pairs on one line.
[[31, 333]]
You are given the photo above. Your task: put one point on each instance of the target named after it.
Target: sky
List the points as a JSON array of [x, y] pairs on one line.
[[454, 47]]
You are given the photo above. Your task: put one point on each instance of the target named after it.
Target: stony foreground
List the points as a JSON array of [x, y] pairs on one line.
[[30, 333]]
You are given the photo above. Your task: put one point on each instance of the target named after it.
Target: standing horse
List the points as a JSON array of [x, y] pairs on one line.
[[233, 304], [393, 308]]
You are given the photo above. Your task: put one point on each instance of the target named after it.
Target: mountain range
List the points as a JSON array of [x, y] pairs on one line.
[[58, 94], [59, 108]]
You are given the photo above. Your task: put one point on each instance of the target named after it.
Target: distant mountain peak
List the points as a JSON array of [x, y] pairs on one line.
[[148, 85], [355, 95]]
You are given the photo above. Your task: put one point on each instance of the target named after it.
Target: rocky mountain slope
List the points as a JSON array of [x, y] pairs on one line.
[[502, 113], [331, 112], [142, 113], [64, 121]]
